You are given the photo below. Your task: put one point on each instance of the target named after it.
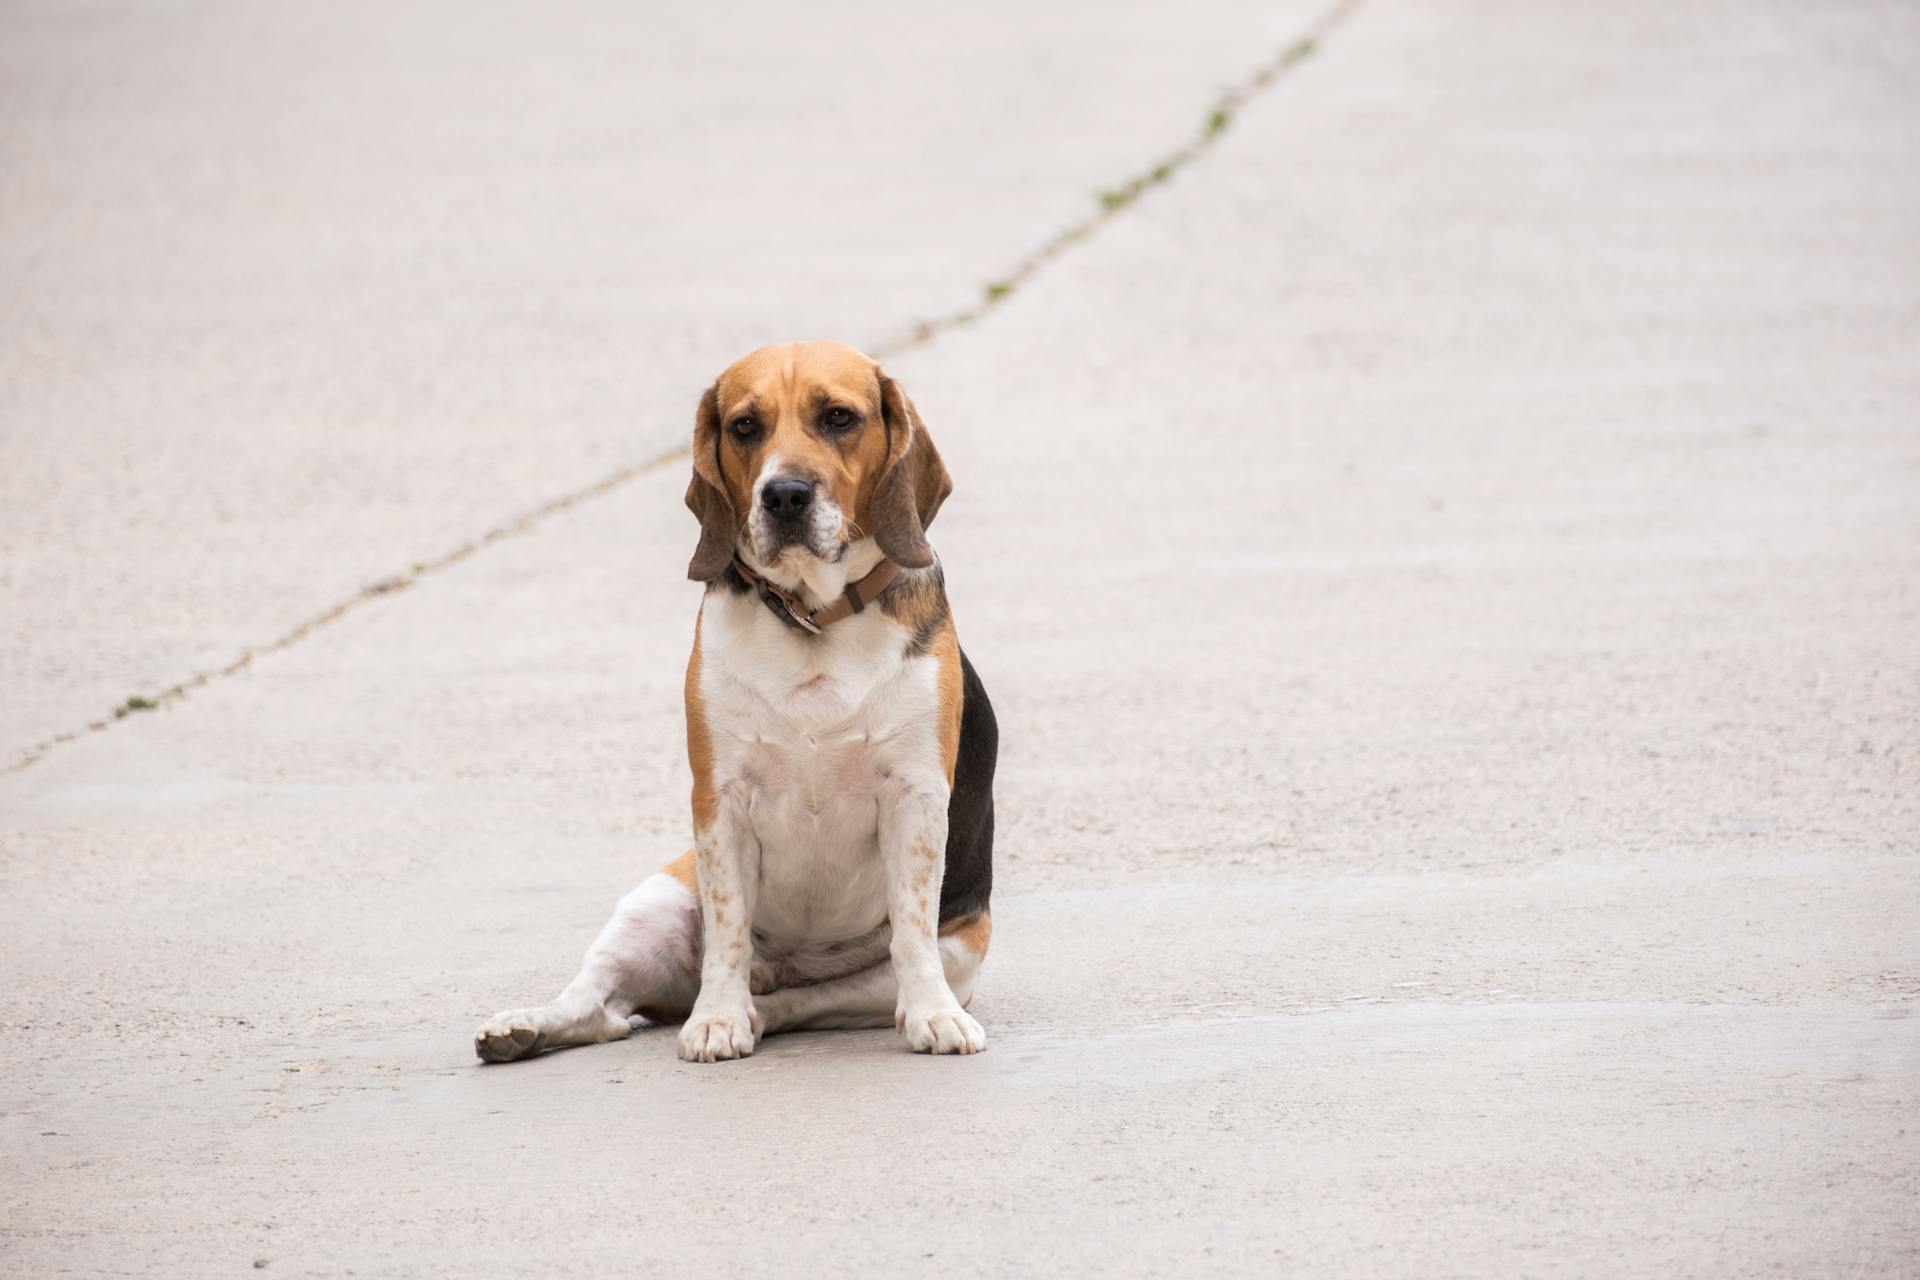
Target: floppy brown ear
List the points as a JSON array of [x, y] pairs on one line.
[[912, 486], [707, 494]]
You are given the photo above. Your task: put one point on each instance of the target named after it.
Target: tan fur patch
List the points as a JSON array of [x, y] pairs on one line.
[[974, 931], [706, 800], [682, 869], [946, 651]]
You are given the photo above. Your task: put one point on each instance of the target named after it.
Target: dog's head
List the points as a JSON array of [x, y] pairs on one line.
[[802, 451]]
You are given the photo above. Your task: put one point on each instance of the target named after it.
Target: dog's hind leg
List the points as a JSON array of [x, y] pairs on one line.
[[869, 997], [646, 960], [862, 999]]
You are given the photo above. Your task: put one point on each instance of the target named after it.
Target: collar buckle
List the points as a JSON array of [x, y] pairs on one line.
[[783, 609]]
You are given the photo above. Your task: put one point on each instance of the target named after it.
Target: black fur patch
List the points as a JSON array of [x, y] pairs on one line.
[[969, 876]]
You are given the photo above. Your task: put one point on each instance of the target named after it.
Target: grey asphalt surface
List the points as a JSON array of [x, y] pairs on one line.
[[1445, 565]]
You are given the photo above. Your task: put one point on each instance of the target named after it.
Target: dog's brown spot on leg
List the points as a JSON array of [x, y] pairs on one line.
[[973, 931]]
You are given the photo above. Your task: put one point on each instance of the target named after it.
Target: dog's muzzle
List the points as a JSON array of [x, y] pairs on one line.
[[793, 512]]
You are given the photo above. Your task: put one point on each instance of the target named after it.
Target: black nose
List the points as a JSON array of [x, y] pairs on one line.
[[787, 496]]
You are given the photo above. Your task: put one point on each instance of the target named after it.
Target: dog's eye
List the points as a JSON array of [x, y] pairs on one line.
[[743, 427], [837, 419]]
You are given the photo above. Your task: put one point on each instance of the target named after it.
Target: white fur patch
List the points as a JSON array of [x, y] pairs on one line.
[[817, 731]]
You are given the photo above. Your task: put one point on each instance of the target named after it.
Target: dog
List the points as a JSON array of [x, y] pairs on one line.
[[842, 746]]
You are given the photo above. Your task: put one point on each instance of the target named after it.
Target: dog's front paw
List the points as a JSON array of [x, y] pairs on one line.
[[943, 1030], [719, 1035]]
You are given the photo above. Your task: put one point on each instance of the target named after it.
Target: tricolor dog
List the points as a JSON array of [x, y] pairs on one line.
[[842, 746]]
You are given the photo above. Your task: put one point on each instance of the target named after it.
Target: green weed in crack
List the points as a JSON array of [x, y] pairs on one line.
[[1115, 200]]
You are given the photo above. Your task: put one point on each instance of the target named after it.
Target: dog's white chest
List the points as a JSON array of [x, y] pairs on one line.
[[808, 734], [815, 810]]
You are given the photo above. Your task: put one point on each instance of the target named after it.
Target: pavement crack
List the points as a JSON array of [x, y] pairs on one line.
[[1117, 199], [1111, 203], [525, 522]]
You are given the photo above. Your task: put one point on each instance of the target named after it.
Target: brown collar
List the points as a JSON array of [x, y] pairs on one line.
[[789, 610]]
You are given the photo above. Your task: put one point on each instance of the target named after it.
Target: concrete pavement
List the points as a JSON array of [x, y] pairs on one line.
[[1446, 568], [296, 301]]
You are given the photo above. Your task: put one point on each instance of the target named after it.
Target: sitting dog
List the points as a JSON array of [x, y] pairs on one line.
[[842, 746]]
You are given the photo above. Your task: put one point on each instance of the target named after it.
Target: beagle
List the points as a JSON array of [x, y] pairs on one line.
[[842, 746]]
